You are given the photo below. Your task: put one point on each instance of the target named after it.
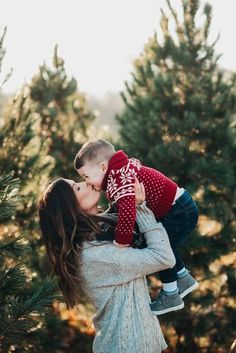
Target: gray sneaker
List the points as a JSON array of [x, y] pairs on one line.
[[166, 303], [186, 284]]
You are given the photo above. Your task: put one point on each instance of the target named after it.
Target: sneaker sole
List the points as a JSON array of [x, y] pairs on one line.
[[160, 312], [189, 290]]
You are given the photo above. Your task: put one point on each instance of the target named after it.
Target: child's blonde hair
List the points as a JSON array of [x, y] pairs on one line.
[[94, 152]]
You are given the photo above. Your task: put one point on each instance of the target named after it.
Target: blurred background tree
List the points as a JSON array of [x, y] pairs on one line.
[[42, 127], [63, 113], [23, 301], [179, 117]]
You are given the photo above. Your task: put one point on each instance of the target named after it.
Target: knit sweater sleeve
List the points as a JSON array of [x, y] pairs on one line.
[[126, 219], [113, 265]]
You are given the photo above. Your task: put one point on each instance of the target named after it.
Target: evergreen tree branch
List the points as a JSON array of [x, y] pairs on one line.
[[21, 310]]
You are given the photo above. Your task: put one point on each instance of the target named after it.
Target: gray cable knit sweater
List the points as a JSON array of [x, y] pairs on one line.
[[114, 280]]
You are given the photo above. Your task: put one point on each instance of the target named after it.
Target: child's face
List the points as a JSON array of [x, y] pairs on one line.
[[93, 174]]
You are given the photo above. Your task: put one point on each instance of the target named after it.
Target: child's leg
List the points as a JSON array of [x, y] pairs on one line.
[[177, 282], [179, 223]]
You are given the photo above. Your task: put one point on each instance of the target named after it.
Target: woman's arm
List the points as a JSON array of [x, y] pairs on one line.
[[119, 265]]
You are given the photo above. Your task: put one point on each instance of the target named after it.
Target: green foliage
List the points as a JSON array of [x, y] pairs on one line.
[[16, 133], [20, 147], [43, 128], [44, 121], [2, 54], [8, 195], [179, 118], [21, 304], [64, 114]]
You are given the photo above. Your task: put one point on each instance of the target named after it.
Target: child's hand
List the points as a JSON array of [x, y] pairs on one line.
[[139, 190]]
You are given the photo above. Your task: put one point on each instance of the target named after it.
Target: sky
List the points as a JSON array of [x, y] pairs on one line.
[[98, 39]]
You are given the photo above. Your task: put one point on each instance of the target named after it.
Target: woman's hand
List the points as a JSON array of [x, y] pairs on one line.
[[139, 190]]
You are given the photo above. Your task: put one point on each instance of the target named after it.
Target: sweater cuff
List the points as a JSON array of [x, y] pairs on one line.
[[124, 239], [120, 245]]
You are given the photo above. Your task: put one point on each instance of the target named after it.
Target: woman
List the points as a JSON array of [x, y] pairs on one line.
[[113, 278]]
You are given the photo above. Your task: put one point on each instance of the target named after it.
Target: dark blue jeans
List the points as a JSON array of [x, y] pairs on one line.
[[179, 222]]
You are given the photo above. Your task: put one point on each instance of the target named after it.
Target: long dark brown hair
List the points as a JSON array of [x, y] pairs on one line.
[[64, 227]]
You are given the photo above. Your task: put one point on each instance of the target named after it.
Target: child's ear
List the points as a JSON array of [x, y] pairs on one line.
[[104, 166]]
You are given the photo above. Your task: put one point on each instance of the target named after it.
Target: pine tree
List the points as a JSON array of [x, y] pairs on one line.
[[22, 304], [19, 150], [64, 114], [178, 118], [22, 151], [42, 127]]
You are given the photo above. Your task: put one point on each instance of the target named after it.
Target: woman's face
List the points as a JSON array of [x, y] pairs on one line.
[[87, 196]]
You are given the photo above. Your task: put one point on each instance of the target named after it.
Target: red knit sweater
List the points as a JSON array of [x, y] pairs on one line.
[[119, 186]]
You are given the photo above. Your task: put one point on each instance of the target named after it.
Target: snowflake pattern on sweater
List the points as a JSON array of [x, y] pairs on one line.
[[121, 182]]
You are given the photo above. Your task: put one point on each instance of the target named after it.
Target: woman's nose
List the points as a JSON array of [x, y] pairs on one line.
[[82, 184]]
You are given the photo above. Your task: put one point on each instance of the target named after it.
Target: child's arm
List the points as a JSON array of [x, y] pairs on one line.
[[126, 220]]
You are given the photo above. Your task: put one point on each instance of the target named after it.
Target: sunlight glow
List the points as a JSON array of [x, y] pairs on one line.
[[98, 39]]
